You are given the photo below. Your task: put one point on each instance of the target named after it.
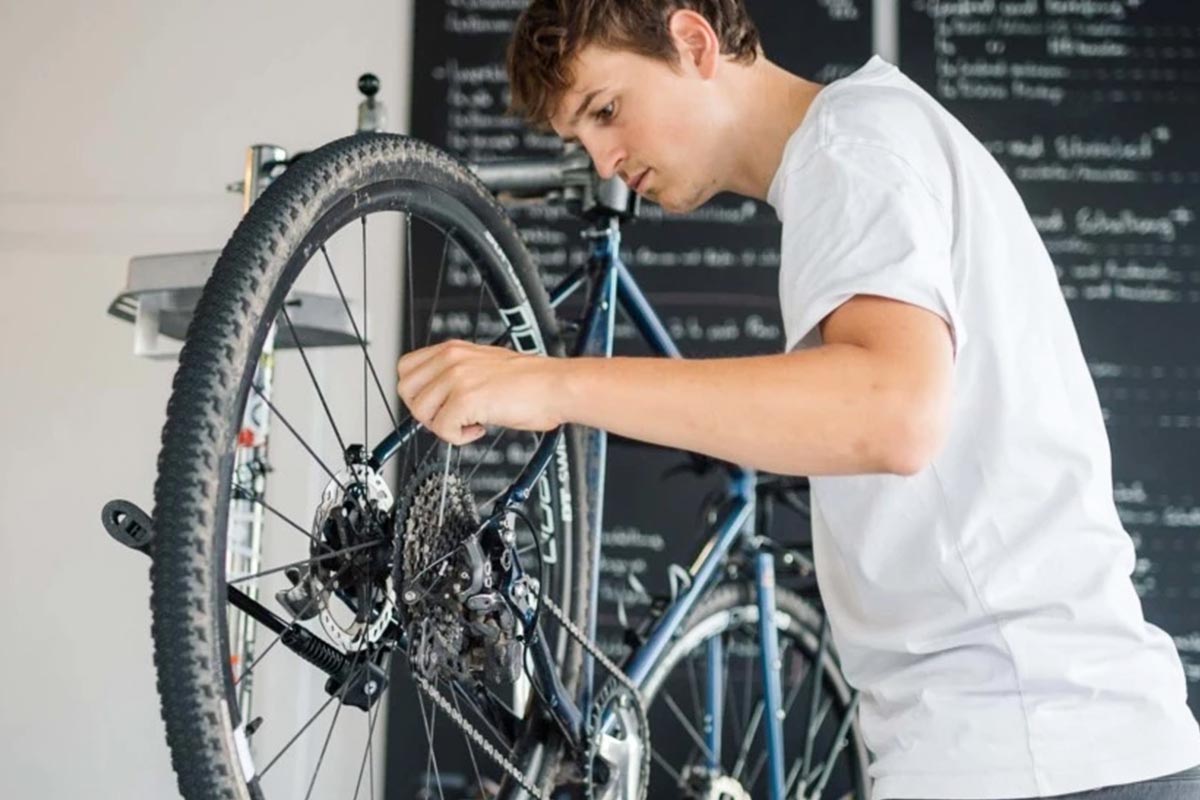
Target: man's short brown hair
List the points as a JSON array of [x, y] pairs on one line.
[[550, 33]]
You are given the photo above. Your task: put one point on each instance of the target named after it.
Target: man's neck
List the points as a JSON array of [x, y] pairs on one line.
[[772, 103]]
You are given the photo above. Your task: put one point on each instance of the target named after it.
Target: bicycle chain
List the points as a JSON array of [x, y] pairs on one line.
[[467, 727], [618, 675]]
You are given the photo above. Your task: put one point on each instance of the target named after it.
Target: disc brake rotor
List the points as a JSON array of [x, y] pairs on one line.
[[355, 519]]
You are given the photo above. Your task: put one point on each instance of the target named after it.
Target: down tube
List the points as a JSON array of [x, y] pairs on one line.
[[703, 572]]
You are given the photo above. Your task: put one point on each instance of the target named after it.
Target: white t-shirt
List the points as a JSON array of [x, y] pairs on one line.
[[984, 605]]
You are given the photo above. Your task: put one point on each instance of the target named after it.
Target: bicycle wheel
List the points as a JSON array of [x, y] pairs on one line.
[[832, 763], [256, 636]]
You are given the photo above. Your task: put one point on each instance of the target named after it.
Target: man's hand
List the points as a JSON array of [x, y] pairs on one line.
[[455, 388]]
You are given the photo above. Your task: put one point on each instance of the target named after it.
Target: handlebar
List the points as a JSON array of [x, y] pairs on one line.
[[536, 177], [570, 178]]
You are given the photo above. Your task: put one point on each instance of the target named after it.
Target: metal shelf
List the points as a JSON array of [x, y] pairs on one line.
[[160, 298]]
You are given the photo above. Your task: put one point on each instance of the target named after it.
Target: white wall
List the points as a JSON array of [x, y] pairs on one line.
[[120, 124]]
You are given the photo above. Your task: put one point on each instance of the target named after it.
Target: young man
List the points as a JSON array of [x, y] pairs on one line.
[[974, 569]]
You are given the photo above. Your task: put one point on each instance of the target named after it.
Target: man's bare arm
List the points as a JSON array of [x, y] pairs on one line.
[[875, 397]]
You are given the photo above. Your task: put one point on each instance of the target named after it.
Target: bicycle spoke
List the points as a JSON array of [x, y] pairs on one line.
[[731, 697], [790, 700], [249, 494], [694, 686], [478, 314], [751, 732], [361, 337], [363, 340], [313, 560], [445, 487], [835, 749], [313, 376], [475, 339], [299, 438], [662, 762], [437, 288], [492, 718], [291, 626], [298, 734], [329, 734], [483, 458], [748, 685], [412, 294], [818, 660], [430, 720], [687, 726], [822, 713], [470, 747], [368, 760], [371, 752]]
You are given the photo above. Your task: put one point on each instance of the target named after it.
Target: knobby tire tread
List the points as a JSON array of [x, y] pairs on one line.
[[202, 419]]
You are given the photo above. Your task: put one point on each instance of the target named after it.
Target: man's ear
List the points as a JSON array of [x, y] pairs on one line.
[[697, 42]]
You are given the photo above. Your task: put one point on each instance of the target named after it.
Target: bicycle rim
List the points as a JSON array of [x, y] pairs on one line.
[[679, 711], [274, 724]]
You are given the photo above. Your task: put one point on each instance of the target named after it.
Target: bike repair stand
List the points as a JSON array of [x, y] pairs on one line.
[[160, 300]]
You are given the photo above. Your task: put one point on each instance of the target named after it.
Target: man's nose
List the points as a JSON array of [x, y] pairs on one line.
[[607, 155]]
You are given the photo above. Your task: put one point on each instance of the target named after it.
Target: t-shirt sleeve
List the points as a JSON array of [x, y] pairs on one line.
[[858, 219]]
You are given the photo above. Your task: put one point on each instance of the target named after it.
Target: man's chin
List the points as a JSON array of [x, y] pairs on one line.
[[680, 205]]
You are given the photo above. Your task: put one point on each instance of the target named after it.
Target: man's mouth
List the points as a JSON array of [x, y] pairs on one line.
[[637, 181]]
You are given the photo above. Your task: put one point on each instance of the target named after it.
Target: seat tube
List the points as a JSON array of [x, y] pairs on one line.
[[764, 566], [714, 700], [597, 340]]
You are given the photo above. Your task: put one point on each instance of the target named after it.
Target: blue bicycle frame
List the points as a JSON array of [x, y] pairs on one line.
[[612, 285]]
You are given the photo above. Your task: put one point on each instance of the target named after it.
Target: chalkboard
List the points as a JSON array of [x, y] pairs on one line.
[[712, 274], [1092, 107]]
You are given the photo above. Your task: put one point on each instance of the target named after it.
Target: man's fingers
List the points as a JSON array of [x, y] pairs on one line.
[[427, 402], [415, 374], [472, 433], [455, 423], [413, 361]]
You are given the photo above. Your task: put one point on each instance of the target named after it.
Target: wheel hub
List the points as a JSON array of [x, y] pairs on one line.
[[355, 519], [702, 784]]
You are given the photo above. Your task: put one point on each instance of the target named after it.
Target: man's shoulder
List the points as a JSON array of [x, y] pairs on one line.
[[895, 116], [880, 133]]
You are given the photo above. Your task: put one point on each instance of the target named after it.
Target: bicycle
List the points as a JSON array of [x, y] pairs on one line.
[[470, 573]]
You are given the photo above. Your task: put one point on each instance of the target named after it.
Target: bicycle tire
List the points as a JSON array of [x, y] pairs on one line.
[[735, 604], [191, 495]]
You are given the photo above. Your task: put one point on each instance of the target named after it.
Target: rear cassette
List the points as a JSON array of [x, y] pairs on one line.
[[457, 622]]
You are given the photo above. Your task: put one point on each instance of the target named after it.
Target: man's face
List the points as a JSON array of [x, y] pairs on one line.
[[645, 121]]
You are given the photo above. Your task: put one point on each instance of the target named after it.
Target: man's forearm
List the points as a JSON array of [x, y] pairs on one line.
[[829, 410]]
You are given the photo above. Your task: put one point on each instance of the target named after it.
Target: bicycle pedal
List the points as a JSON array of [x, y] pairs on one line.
[[128, 524]]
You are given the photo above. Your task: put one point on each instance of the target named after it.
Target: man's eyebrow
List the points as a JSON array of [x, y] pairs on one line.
[[587, 101]]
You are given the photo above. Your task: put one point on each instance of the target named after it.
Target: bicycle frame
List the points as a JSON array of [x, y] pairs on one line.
[[612, 286]]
